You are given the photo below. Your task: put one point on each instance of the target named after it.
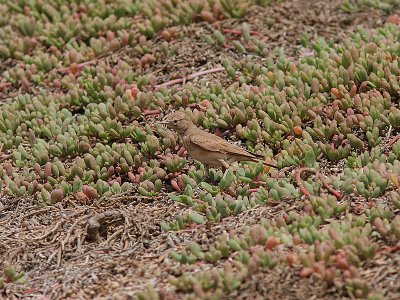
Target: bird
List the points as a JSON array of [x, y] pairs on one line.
[[210, 149]]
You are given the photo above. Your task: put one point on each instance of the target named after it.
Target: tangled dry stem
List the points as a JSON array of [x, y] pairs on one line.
[[320, 176]]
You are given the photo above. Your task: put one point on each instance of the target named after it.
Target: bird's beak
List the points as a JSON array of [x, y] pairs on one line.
[[164, 122]]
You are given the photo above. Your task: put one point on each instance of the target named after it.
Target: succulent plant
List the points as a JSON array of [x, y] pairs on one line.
[[84, 127]]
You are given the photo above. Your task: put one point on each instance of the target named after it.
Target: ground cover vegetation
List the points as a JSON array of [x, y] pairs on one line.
[[98, 199]]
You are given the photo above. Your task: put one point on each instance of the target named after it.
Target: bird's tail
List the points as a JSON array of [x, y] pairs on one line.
[[268, 164], [260, 158]]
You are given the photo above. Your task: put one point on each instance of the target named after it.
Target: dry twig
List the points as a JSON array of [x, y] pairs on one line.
[[393, 140], [299, 181], [304, 191], [96, 224], [5, 157], [192, 76], [58, 225], [328, 187]]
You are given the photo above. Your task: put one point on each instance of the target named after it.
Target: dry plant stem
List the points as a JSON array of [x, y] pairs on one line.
[[113, 236], [79, 241], [59, 256], [4, 158], [148, 113], [393, 140], [80, 66], [55, 228], [389, 131], [95, 223], [238, 32], [37, 212], [91, 62], [70, 231], [227, 46], [126, 197], [4, 85], [328, 187], [304, 191], [53, 255], [192, 76], [299, 181]]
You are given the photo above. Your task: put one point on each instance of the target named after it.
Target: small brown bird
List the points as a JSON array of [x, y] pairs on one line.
[[206, 147]]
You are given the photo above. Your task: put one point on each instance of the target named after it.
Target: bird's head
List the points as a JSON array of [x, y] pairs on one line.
[[178, 121]]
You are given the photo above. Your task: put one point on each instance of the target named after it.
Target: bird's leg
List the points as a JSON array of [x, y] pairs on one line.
[[224, 163], [207, 170], [207, 173], [226, 172], [225, 167]]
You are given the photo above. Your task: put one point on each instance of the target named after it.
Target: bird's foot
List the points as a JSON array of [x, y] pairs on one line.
[[226, 172]]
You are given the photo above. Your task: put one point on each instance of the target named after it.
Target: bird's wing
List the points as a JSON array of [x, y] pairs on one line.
[[211, 142]]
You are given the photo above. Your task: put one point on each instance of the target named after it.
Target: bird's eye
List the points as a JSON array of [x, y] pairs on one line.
[[175, 121]]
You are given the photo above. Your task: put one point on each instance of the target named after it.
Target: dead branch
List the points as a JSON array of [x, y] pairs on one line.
[[393, 140], [55, 228], [299, 181], [93, 61], [334, 192], [192, 76], [113, 236], [52, 255], [66, 240], [320, 176], [5, 157], [96, 225], [4, 85], [58, 225], [36, 212]]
